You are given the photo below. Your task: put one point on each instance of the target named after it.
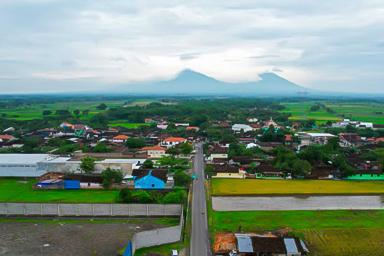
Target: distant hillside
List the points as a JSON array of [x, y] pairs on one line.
[[189, 82]]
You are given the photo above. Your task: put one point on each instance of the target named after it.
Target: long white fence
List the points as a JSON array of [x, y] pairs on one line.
[[95, 210]]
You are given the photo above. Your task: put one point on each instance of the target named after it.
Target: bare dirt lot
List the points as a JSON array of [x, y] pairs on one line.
[[22, 239]]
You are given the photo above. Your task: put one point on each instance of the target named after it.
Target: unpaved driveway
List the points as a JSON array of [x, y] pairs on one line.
[[26, 239], [297, 203]]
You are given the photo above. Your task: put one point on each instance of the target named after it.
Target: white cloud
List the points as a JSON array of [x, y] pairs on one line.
[[325, 45]]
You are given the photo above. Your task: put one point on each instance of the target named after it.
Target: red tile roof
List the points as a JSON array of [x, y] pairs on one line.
[[192, 128], [157, 147], [121, 137], [6, 137], [174, 139], [288, 137]]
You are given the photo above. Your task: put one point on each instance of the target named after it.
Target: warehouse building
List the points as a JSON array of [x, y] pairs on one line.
[[21, 165], [35, 165]]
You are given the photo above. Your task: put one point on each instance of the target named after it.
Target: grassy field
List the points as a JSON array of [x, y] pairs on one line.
[[301, 111], [13, 190], [221, 187], [369, 112], [325, 232], [163, 250], [35, 111], [128, 125]]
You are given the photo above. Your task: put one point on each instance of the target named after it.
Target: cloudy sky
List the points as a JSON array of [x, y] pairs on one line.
[[65, 45]]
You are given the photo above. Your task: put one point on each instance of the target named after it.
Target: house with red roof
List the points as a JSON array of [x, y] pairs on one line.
[[121, 138], [6, 138], [193, 128], [172, 141], [156, 151]]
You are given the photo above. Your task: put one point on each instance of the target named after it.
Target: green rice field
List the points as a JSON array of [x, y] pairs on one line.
[[128, 125], [35, 111], [326, 233], [361, 111]]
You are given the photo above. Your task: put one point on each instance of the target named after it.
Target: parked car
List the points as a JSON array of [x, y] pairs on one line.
[[174, 253]]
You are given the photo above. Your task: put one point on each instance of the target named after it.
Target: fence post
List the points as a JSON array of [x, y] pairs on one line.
[[147, 210], [93, 210], [24, 209], [41, 209], [111, 210], [58, 210]]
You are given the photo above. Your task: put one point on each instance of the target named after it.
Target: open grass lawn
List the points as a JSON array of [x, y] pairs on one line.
[[325, 232], [15, 190], [128, 125], [234, 187], [364, 111]]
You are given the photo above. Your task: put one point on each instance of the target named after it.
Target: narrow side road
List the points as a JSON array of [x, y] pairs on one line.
[[199, 239]]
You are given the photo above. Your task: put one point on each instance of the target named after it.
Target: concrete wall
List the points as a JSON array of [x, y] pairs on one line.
[[158, 236], [106, 210]]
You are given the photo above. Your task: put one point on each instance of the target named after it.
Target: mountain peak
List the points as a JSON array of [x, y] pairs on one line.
[[189, 74], [271, 75], [190, 82]]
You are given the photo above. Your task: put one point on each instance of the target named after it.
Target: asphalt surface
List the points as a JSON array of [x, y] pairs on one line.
[[297, 203], [199, 238]]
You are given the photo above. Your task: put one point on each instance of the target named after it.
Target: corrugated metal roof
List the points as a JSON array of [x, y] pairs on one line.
[[290, 246], [244, 243], [131, 161], [22, 158], [304, 246], [19, 171]]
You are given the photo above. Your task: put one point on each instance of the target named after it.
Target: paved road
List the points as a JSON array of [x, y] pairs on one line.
[[297, 203], [199, 238]]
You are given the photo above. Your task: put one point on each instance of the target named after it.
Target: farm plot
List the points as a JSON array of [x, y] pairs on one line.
[[301, 111], [335, 111], [349, 242], [35, 111], [128, 125], [339, 232], [369, 112], [235, 187]]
